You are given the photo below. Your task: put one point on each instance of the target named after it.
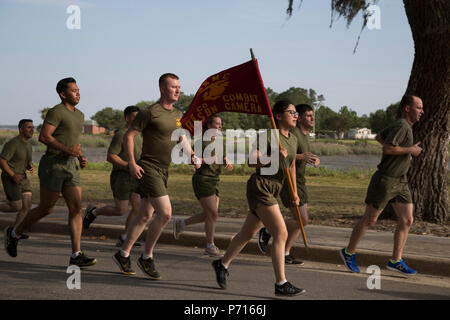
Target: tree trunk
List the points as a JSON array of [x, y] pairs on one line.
[[430, 80]]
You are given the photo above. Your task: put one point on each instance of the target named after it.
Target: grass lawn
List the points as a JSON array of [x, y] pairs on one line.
[[335, 198], [329, 196]]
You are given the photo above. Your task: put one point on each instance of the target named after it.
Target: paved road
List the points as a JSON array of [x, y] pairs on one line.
[[39, 272]]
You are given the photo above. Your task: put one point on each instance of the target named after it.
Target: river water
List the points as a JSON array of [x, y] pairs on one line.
[[330, 162]]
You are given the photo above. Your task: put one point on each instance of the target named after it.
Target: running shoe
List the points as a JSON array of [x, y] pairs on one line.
[[289, 259], [82, 260], [400, 266], [221, 273], [177, 229], [123, 263], [263, 240], [213, 252], [288, 290], [349, 260], [10, 242], [148, 267], [89, 217], [24, 236]]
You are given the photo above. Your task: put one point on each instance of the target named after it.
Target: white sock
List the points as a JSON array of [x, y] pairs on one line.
[[13, 233], [286, 253], [210, 245], [226, 267], [281, 282], [146, 257], [76, 254], [124, 254]]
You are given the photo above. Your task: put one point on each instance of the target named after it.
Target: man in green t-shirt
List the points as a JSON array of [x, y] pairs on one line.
[[15, 160], [305, 123], [123, 185], [389, 184], [58, 171], [157, 123]]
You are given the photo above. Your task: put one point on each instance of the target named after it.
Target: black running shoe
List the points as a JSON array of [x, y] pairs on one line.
[[123, 263], [10, 242], [289, 259], [221, 273], [89, 217], [119, 243], [148, 267], [263, 240], [82, 261], [288, 290]]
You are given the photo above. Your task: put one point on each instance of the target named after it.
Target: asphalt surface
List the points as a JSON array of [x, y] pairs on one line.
[[40, 272], [424, 253]]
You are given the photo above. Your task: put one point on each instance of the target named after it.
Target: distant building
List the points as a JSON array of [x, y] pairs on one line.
[[360, 133], [92, 127]]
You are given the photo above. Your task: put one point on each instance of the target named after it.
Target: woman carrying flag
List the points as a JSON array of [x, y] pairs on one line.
[[262, 193]]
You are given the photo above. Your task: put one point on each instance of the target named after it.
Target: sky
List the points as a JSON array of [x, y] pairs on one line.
[[123, 46]]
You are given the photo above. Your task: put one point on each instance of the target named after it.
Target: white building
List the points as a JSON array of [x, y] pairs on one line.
[[360, 133]]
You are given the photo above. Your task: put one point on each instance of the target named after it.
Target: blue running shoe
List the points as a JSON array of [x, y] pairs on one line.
[[349, 260], [400, 266]]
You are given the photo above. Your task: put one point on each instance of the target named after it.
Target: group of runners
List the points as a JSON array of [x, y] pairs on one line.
[[141, 154]]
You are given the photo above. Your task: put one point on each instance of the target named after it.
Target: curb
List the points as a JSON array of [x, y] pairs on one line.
[[429, 266]]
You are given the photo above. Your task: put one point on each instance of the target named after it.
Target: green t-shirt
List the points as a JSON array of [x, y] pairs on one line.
[[18, 154], [157, 124], [212, 170], [116, 147], [290, 144], [69, 126], [302, 147], [398, 134]]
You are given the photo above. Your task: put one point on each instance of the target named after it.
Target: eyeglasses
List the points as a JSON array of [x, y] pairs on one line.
[[293, 113]]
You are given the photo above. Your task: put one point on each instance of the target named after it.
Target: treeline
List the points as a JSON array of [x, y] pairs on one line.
[[326, 119]]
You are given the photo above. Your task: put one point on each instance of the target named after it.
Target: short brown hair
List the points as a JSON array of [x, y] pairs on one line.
[[163, 78], [407, 100]]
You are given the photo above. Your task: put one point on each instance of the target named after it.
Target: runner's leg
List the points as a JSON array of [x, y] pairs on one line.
[[72, 196]]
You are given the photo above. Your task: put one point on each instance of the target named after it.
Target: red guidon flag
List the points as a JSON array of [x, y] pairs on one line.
[[238, 89]]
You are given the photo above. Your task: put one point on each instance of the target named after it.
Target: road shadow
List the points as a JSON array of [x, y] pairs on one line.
[[32, 273]]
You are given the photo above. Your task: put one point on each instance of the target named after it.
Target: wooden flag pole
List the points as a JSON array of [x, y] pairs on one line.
[[288, 175]]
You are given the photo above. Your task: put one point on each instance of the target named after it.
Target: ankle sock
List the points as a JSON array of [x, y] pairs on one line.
[[281, 282], [124, 254], [75, 254], [146, 257], [226, 267], [13, 233]]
